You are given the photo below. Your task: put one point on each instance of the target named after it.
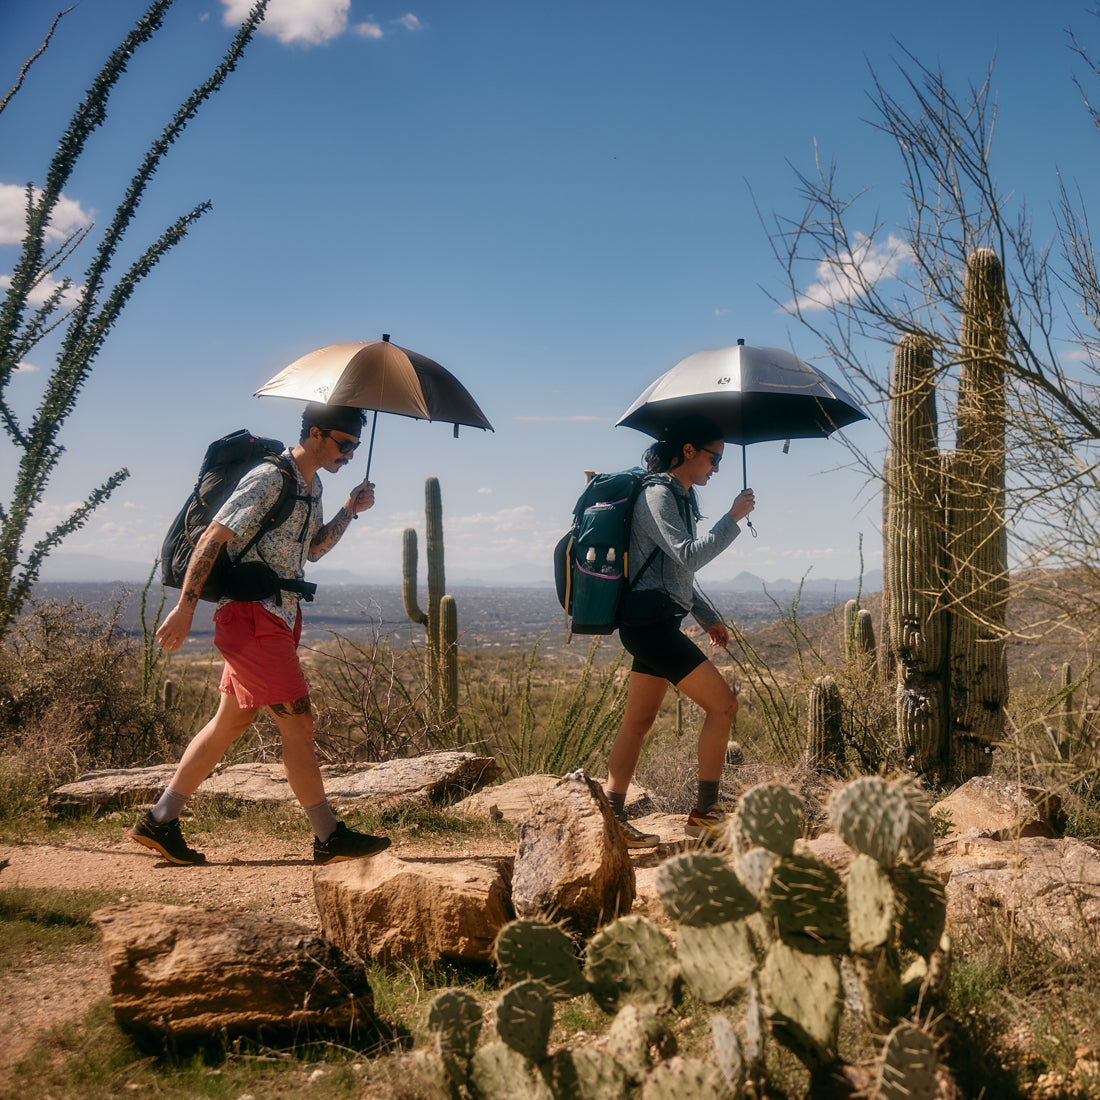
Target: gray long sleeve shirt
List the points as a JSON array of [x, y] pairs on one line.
[[661, 522]]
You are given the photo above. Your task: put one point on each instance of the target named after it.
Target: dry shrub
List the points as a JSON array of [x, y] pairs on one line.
[[70, 693]]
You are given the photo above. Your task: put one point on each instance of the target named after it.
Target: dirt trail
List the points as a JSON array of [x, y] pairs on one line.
[[262, 874]]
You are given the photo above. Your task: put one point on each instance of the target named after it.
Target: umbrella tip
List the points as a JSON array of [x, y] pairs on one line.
[[386, 337], [740, 343]]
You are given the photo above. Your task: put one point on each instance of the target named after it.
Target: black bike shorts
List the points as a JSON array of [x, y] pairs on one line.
[[661, 649]]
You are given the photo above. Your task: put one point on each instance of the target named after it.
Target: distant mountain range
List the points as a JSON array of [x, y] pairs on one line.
[[72, 567]]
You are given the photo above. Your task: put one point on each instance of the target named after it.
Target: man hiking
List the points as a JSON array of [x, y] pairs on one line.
[[259, 639]]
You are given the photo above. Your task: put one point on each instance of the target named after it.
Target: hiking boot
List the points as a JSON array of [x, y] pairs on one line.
[[165, 837], [635, 838], [708, 826], [345, 844]]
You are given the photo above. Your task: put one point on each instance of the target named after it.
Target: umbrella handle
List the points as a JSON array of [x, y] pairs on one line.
[[745, 484], [370, 449]]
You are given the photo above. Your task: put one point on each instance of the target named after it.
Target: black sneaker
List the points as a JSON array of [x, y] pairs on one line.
[[635, 838], [345, 844], [166, 838]]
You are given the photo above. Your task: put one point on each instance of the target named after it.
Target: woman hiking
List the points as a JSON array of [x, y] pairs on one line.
[[686, 456]]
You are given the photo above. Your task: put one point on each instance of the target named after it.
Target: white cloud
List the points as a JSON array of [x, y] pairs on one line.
[[25, 368], [313, 22], [843, 277], [410, 22], [44, 289], [485, 490], [68, 215], [368, 30]]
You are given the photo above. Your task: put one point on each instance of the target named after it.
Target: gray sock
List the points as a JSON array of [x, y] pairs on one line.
[[322, 819], [618, 803], [708, 795], [168, 806]]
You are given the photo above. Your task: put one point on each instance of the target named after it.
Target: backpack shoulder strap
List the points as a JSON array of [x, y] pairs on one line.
[[280, 511]]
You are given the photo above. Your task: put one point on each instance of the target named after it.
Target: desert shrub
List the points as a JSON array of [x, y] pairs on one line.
[[70, 692]]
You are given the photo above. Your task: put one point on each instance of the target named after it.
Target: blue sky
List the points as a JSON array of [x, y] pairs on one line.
[[554, 200]]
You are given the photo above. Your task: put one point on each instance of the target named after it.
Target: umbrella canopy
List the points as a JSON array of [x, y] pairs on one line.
[[379, 376], [752, 394]]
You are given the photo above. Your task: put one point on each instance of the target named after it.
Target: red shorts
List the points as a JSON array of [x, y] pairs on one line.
[[261, 655]]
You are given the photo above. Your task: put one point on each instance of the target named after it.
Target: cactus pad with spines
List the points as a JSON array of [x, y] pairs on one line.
[[525, 1016], [630, 961], [497, 1072], [716, 960], [684, 1079], [919, 840], [804, 903], [727, 1053], [753, 868], [801, 995], [541, 951], [455, 1018], [907, 1065], [634, 1032], [872, 906], [585, 1074], [700, 888], [872, 816], [921, 908], [770, 816]]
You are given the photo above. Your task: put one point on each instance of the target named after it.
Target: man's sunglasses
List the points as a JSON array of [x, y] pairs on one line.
[[347, 446], [715, 457]]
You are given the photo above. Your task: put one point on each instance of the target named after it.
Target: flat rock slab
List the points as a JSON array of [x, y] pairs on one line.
[[438, 777], [184, 973], [1001, 810], [516, 799], [1049, 889], [385, 908]]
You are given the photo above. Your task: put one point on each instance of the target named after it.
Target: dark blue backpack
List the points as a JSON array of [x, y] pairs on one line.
[[591, 561]]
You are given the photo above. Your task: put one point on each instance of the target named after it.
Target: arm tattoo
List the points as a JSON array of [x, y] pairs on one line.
[[198, 570], [287, 710], [329, 535]]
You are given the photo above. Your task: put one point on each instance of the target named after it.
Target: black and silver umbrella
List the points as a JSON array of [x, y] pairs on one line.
[[752, 394]]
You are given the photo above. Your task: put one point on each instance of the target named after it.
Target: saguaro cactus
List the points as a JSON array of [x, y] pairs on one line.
[[977, 553], [441, 618], [945, 546], [914, 536], [825, 740]]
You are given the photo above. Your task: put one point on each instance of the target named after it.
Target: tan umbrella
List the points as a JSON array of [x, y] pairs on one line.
[[382, 377]]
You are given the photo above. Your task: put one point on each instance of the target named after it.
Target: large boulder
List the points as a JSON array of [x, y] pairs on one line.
[[435, 777], [518, 798], [572, 864], [185, 973], [1048, 890], [389, 908], [1000, 809]]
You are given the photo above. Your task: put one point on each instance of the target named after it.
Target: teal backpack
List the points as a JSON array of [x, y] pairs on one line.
[[591, 561]]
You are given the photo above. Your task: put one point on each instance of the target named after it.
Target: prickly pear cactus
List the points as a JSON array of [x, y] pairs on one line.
[[541, 951], [498, 1072], [727, 1053], [455, 1019], [525, 1017], [584, 1074], [684, 1079], [753, 868], [907, 1065], [872, 816], [636, 1032], [805, 905], [700, 888], [630, 961], [716, 960], [921, 909], [872, 906], [802, 999], [769, 815]]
